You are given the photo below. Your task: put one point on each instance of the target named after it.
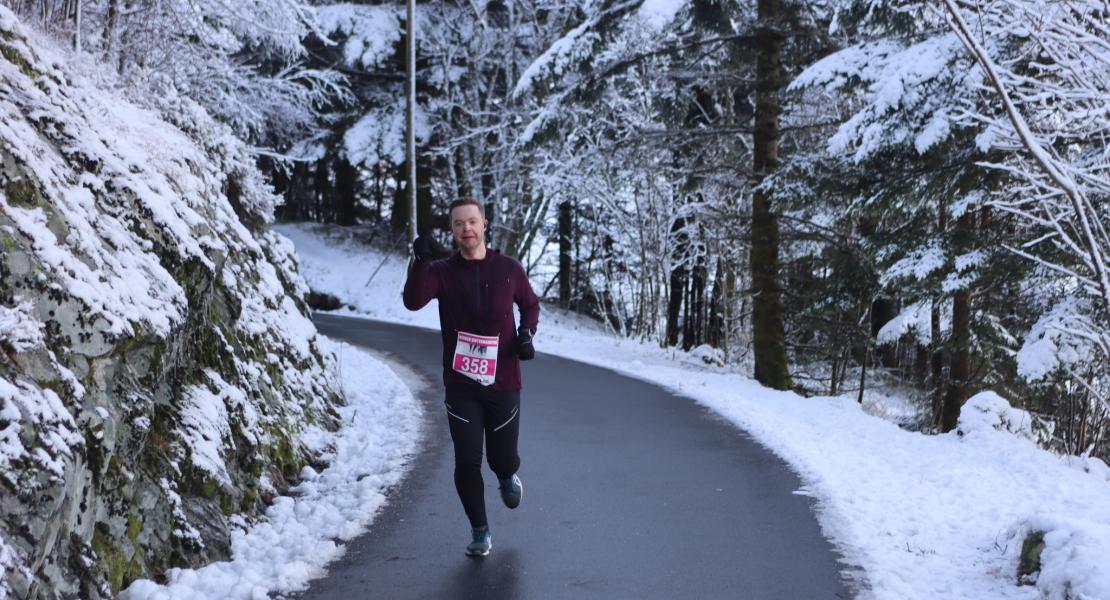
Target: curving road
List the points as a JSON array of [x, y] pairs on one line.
[[630, 493]]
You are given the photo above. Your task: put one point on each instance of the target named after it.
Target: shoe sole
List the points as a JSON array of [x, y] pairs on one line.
[[479, 554]]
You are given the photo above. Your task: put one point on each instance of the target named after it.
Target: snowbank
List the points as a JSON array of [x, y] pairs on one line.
[[921, 516]]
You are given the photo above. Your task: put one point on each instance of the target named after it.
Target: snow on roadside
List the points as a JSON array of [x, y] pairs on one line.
[[332, 261], [300, 533], [940, 516]]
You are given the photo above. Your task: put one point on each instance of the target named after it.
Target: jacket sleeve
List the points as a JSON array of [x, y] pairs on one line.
[[526, 299], [421, 286]]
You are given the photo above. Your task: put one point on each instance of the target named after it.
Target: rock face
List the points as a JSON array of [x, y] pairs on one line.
[[156, 361]]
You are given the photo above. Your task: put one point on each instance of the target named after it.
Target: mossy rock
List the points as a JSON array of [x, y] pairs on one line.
[[1029, 564], [94, 455], [323, 300], [250, 502], [13, 56], [134, 527], [8, 242], [286, 459], [23, 192], [195, 482], [122, 568]]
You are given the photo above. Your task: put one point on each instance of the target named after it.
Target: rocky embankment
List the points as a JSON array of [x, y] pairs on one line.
[[156, 363]]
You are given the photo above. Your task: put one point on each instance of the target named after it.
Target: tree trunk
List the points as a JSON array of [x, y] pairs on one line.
[[345, 198], [688, 313], [576, 285], [533, 221], [731, 315], [513, 223], [678, 281], [462, 184], [299, 195], [321, 192], [959, 369], [920, 363], [936, 365], [402, 208], [381, 173], [77, 26], [716, 328], [698, 281], [883, 311], [674, 304], [564, 253], [423, 196], [110, 22], [280, 181], [771, 366]]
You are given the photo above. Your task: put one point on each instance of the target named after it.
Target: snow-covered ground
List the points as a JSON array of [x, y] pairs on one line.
[[300, 533], [922, 516]]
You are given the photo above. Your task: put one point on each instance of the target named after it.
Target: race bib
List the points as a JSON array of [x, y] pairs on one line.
[[476, 357]]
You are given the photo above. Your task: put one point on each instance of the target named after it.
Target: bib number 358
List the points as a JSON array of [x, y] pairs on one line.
[[476, 357], [477, 366]]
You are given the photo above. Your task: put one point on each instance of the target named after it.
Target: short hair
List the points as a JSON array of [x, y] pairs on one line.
[[463, 202]]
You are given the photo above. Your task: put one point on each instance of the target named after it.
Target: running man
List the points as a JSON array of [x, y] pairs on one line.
[[482, 349]]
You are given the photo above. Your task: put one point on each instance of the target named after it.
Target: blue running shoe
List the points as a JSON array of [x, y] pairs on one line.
[[482, 544], [512, 490]]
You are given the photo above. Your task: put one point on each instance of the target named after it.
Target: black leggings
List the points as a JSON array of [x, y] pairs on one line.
[[471, 412]]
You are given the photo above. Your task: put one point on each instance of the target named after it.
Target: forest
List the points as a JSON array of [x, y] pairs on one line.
[[832, 196]]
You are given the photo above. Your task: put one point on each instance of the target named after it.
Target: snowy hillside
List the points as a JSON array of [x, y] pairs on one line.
[[915, 515], [157, 368], [301, 532]]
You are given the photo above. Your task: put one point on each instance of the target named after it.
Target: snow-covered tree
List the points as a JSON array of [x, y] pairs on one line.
[[239, 59], [1049, 68], [947, 198]]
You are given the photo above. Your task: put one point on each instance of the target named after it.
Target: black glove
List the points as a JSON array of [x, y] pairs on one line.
[[524, 348], [422, 249]]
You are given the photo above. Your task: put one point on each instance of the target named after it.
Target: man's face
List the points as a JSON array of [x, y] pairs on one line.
[[468, 226]]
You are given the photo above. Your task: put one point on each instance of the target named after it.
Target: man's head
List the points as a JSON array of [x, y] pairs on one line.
[[468, 223]]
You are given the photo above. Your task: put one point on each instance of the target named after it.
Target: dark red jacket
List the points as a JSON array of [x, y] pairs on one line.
[[477, 296]]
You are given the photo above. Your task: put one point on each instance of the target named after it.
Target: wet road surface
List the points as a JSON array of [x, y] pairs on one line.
[[629, 492]]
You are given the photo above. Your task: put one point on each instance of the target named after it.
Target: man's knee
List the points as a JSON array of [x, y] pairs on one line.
[[468, 458]]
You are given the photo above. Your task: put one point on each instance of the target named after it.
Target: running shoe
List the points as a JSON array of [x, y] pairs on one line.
[[482, 544], [512, 490]]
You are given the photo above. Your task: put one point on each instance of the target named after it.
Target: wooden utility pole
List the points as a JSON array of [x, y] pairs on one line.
[[410, 112]]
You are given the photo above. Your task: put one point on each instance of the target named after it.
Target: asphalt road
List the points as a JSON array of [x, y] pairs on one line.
[[629, 492]]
